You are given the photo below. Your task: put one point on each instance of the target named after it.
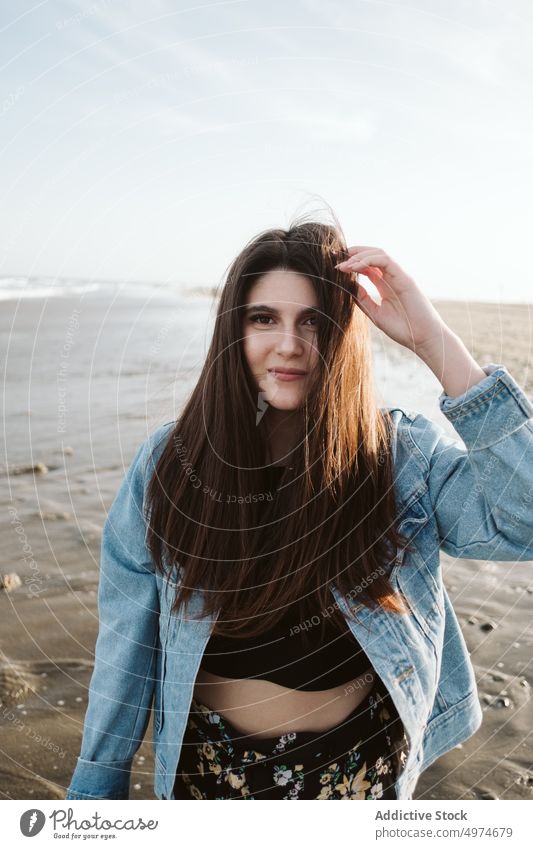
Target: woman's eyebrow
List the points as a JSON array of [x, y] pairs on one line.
[[252, 307]]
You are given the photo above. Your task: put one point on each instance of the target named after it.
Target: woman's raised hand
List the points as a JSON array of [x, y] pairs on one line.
[[405, 314]]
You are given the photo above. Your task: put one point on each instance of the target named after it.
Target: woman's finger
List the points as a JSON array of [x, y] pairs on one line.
[[356, 248], [391, 272], [366, 303], [384, 287], [367, 257], [372, 272]]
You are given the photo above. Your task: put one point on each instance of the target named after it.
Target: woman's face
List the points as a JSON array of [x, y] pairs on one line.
[[280, 334]]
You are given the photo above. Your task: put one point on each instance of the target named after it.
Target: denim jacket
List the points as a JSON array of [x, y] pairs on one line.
[[471, 501]]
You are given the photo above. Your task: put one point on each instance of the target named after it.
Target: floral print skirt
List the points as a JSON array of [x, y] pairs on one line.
[[357, 759]]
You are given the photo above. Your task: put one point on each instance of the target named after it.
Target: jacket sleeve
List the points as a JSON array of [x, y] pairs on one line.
[[482, 494], [122, 683]]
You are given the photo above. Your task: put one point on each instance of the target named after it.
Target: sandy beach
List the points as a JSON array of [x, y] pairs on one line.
[[87, 379]]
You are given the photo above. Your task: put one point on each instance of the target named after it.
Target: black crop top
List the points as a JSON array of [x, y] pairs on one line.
[[278, 655]]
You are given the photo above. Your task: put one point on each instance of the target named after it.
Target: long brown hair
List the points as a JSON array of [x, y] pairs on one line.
[[333, 515]]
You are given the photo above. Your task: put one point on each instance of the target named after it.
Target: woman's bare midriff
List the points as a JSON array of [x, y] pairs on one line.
[[264, 709]]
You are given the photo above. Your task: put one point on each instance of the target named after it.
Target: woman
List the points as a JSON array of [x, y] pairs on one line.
[[270, 582]]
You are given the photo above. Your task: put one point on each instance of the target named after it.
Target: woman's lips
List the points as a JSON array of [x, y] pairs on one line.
[[281, 375]]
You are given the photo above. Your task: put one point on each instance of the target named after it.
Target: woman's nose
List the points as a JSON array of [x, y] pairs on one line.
[[288, 341]]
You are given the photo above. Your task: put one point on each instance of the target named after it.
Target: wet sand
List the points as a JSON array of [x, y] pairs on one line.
[[87, 380]]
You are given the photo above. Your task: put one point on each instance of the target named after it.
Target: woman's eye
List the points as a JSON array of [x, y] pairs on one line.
[[259, 316]]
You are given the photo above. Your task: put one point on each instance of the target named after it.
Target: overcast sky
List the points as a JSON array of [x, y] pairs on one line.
[[151, 140]]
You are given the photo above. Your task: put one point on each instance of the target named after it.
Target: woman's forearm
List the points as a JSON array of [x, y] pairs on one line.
[[451, 362]]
